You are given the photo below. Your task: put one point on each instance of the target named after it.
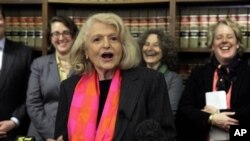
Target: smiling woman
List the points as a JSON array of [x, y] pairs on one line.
[[47, 72], [109, 97], [159, 53], [227, 72]]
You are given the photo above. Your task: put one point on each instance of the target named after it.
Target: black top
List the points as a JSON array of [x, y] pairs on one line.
[[190, 120], [104, 89], [143, 95]]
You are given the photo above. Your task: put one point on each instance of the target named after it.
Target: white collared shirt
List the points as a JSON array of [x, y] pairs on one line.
[[2, 43]]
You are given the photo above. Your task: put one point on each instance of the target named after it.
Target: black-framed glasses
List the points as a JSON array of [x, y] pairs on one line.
[[58, 34]]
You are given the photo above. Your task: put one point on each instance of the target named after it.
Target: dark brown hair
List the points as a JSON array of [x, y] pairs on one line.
[[167, 45], [69, 23]]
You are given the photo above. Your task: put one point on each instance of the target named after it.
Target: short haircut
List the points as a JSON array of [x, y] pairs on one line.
[[69, 23], [233, 25], [131, 55]]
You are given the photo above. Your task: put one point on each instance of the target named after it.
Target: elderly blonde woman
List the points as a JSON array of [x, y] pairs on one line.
[[111, 98]]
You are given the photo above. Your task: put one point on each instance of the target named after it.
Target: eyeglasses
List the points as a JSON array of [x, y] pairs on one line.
[[57, 34]]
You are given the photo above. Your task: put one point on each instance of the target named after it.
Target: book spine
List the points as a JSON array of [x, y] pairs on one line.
[[15, 29], [134, 23], [38, 32], [194, 28], [242, 21], [143, 21], [23, 30], [9, 26], [184, 28], [31, 31]]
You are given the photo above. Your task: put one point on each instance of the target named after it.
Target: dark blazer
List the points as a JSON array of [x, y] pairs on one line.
[[175, 89], [192, 124], [42, 97], [13, 84], [143, 96]]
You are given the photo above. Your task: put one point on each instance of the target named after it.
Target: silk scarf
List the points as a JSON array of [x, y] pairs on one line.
[[226, 73], [82, 122], [163, 68]]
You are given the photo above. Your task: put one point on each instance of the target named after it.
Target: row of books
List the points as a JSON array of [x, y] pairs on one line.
[[137, 20], [194, 24], [24, 25], [136, 25], [27, 30]]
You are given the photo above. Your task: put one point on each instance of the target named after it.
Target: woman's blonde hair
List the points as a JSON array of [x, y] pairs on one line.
[[131, 53], [234, 26]]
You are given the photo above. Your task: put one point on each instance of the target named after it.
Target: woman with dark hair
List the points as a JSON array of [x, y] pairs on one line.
[[159, 53], [47, 72], [227, 75]]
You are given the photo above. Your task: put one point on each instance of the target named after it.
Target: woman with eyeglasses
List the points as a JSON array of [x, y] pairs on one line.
[[47, 72], [227, 75]]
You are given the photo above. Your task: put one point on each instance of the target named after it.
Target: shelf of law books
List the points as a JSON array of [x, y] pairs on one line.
[[24, 24], [138, 18], [193, 25]]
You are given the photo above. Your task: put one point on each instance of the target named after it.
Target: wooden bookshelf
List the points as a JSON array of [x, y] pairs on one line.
[[107, 1], [20, 22], [171, 9], [195, 50], [191, 56], [131, 10], [199, 1], [21, 2]]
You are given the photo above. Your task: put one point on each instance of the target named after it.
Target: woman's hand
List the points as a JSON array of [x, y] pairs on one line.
[[211, 109], [60, 138], [223, 120]]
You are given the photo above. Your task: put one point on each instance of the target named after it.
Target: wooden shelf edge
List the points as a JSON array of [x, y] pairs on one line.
[[202, 50], [20, 1], [108, 1], [210, 1], [194, 50], [246, 50]]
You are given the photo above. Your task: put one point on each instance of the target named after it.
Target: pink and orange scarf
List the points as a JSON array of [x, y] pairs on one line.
[[84, 110]]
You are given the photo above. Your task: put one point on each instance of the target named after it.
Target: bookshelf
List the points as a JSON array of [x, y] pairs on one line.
[[135, 13], [186, 20], [192, 24], [21, 2], [23, 23], [107, 1]]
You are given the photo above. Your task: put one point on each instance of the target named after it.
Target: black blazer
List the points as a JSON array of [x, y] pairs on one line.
[[13, 84], [144, 96], [192, 123]]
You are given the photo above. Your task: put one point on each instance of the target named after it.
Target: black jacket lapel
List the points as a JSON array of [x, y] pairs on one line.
[[130, 91], [9, 56], [208, 77], [237, 83]]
